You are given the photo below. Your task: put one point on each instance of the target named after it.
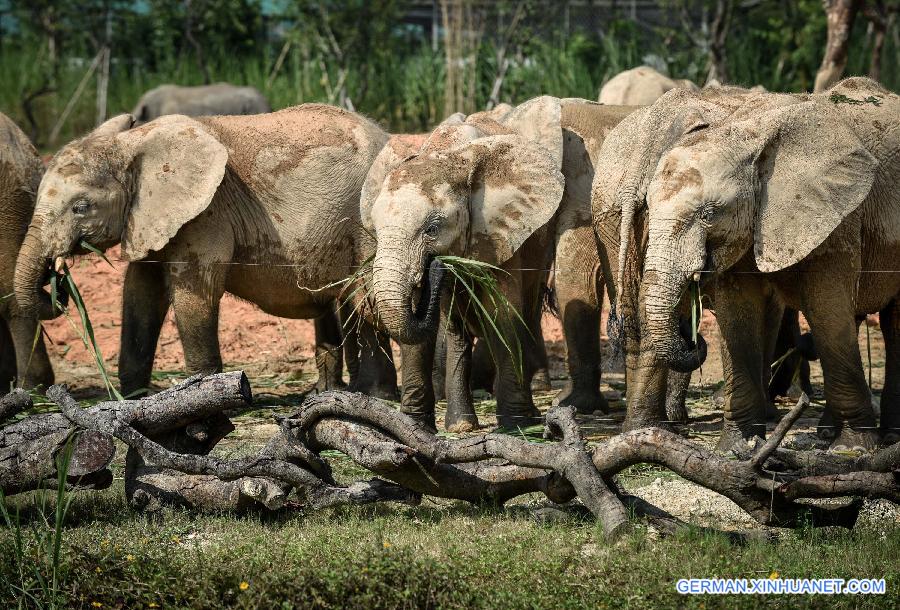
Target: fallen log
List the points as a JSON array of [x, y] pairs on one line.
[[14, 403], [158, 475], [170, 437]]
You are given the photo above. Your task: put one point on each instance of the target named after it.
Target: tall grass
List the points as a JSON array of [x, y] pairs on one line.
[[36, 548]]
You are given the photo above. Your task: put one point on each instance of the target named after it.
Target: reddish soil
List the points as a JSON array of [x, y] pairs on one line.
[[246, 334]]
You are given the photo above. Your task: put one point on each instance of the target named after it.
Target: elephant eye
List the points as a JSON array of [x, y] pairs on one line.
[[81, 207], [431, 230]]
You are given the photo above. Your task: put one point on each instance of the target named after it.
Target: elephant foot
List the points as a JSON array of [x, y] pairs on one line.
[[890, 424], [772, 413], [855, 440], [540, 381], [676, 412], [426, 420], [585, 402], [827, 428], [329, 383], [460, 420], [738, 439], [461, 426], [519, 419], [380, 391], [637, 423]]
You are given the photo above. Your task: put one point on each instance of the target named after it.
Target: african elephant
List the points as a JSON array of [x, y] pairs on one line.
[[624, 169], [265, 207], [501, 192], [793, 205], [640, 86], [202, 100], [23, 355]]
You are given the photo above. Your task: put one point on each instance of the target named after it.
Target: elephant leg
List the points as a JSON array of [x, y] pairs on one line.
[[829, 308], [483, 368], [144, 307], [33, 366], [580, 316], [890, 394], [540, 380], [745, 306], [7, 359], [377, 375], [439, 369], [676, 396], [461, 415], [417, 399], [352, 348], [329, 352], [196, 294]]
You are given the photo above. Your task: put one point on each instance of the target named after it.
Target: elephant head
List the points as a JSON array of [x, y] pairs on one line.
[[778, 184], [626, 165], [476, 189], [136, 187]]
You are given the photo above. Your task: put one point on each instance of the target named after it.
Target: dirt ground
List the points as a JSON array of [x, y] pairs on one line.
[[278, 356]]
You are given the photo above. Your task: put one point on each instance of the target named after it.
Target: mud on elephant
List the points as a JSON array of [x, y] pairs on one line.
[[794, 204], [624, 169], [265, 207]]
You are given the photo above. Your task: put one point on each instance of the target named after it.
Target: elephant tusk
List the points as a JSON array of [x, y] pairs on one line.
[[59, 264], [696, 276]]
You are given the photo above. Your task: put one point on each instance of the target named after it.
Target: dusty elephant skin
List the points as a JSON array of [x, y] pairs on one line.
[[265, 207], [20, 173], [804, 193], [480, 188], [624, 169], [203, 100]]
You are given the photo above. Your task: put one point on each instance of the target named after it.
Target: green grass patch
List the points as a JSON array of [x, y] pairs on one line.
[[436, 555]]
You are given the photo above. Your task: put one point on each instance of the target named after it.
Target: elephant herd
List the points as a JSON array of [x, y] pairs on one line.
[[765, 204]]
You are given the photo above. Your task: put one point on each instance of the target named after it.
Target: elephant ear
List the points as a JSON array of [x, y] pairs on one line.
[[178, 167], [814, 171], [515, 189], [398, 148], [539, 120]]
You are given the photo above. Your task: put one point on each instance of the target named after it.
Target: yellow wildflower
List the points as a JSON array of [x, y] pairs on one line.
[[244, 585]]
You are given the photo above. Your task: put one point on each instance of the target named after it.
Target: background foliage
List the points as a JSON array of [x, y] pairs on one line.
[[367, 54]]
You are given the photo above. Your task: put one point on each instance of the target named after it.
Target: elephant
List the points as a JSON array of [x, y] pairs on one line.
[[202, 100], [624, 168], [513, 193], [640, 86], [265, 207], [788, 205], [23, 355]]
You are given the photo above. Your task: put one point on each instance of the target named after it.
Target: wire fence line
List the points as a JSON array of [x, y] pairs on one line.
[[533, 269]]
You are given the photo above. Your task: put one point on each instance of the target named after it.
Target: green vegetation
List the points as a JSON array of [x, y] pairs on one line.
[[446, 555], [359, 53]]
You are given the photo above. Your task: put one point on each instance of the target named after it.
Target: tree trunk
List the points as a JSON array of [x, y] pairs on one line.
[[841, 14]]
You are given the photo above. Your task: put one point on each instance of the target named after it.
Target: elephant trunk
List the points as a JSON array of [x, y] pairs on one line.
[[670, 334], [31, 270], [393, 287]]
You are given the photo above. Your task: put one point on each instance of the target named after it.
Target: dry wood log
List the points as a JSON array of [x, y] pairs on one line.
[[14, 403], [211, 482], [169, 460], [568, 458]]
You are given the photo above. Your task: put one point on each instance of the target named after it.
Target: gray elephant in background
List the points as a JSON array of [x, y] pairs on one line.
[[202, 100], [22, 359], [640, 86]]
